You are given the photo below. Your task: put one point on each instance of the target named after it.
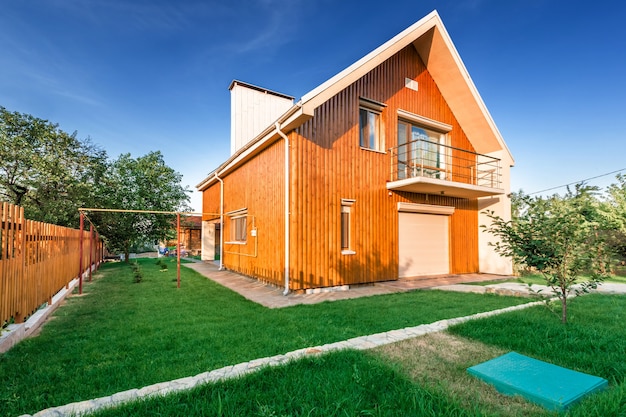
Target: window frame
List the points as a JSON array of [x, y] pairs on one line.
[[346, 234], [440, 169], [238, 226], [372, 109]]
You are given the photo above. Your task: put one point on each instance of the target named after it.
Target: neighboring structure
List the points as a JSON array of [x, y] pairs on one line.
[[190, 234], [381, 172]]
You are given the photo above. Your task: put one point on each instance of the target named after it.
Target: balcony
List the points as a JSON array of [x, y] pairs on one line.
[[427, 167]]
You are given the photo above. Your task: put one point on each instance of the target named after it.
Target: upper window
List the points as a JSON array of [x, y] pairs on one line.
[[371, 125], [421, 147], [420, 152]]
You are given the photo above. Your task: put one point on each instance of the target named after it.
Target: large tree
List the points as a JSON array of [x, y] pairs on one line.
[[46, 170], [142, 184], [560, 237]]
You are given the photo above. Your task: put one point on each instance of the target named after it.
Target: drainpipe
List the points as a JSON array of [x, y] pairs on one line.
[[221, 221], [286, 207]]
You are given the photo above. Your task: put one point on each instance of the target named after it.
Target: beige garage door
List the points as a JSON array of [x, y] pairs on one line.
[[423, 244]]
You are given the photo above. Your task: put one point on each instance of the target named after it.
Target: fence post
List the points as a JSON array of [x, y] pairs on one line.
[[18, 250], [80, 253], [90, 249], [178, 250]]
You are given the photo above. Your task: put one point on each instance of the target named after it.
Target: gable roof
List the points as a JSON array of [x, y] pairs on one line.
[[432, 42]]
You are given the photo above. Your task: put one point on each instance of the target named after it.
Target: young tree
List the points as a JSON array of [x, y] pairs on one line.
[[142, 184], [557, 236]]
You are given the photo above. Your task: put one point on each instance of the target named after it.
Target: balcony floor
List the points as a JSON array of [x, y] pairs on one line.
[[426, 185]]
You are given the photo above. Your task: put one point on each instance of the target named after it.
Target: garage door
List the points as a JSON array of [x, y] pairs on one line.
[[423, 244]]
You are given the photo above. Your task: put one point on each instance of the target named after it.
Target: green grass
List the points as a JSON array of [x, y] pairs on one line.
[[593, 342], [346, 383], [121, 334], [424, 376], [540, 280]]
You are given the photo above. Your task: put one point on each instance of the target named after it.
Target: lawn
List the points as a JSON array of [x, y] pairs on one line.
[[121, 334], [540, 280], [425, 376]]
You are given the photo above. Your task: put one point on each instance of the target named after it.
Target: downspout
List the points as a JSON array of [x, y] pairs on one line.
[[221, 221], [286, 291]]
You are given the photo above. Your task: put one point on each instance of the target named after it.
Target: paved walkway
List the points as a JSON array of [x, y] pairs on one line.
[[272, 296]]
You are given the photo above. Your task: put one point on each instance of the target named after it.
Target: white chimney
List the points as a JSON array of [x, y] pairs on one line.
[[252, 110]]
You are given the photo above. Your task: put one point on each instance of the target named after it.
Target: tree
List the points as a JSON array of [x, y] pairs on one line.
[[558, 236], [142, 184], [614, 210], [46, 170]]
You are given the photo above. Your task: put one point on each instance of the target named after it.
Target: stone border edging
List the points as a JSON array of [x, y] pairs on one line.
[[234, 371]]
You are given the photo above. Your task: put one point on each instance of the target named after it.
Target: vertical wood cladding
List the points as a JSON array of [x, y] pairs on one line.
[[330, 165], [327, 165], [258, 187]]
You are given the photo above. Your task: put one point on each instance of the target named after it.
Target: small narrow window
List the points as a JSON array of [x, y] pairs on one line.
[[371, 125], [346, 226]]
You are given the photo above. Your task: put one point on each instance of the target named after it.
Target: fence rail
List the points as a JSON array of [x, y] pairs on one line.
[[37, 260]]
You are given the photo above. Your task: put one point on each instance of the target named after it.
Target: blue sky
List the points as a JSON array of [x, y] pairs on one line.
[[137, 76]]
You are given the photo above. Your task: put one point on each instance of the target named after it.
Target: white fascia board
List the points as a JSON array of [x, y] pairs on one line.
[[290, 120]]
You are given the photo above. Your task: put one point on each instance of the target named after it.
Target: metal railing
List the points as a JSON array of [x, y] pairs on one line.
[[424, 158]]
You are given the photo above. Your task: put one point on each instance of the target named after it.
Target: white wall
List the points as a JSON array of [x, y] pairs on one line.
[[208, 241], [252, 110], [489, 261]]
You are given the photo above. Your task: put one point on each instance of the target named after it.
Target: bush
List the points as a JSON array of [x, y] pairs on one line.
[[161, 264], [137, 272]]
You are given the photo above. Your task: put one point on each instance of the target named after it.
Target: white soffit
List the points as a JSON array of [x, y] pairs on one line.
[[453, 80]]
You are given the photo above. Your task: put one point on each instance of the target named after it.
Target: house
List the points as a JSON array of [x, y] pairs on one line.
[[190, 234], [381, 172]]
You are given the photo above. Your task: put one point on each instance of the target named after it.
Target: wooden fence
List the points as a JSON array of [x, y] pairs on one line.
[[37, 260]]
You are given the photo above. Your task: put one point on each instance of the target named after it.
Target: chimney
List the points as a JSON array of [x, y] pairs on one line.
[[252, 110]]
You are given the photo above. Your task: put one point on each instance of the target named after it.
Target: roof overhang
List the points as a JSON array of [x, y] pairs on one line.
[[435, 186], [289, 121]]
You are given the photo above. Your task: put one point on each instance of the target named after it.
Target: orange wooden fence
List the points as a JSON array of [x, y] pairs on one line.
[[37, 260]]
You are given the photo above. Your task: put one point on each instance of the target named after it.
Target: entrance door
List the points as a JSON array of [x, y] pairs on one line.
[[423, 244]]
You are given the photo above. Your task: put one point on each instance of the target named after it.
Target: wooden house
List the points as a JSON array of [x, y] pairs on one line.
[[381, 172]]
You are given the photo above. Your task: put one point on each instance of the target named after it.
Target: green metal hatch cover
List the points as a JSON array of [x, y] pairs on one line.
[[548, 385]]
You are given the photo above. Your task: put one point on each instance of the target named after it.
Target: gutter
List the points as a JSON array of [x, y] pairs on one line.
[[294, 114], [280, 132], [221, 221]]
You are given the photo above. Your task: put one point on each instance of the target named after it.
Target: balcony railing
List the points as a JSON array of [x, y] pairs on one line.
[[427, 159]]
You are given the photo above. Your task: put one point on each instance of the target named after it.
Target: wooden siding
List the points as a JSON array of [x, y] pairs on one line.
[[258, 187], [211, 202], [330, 166], [37, 260]]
